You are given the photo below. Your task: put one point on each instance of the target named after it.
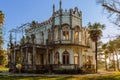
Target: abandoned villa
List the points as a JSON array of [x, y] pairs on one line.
[[61, 42]]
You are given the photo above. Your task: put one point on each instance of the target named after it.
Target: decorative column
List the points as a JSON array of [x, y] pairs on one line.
[[26, 62], [53, 54], [21, 53], [81, 27], [34, 58], [47, 62], [53, 23], [72, 35], [71, 26], [80, 19], [60, 28], [80, 58], [14, 60], [11, 58], [60, 56]]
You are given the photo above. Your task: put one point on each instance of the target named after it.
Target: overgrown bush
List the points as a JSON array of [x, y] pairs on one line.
[[3, 58]]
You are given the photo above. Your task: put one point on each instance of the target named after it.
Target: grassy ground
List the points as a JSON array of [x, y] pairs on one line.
[[2, 69], [115, 76]]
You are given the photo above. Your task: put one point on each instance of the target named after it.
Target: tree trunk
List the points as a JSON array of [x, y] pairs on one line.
[[114, 61], [110, 61], [105, 63], [117, 61], [96, 57]]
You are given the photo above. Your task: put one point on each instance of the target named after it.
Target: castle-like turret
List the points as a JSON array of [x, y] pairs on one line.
[[60, 5]]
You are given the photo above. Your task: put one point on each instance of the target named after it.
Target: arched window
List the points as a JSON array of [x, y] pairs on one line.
[[77, 34], [56, 58], [83, 36], [33, 38], [56, 33], [65, 57], [65, 32], [76, 58], [29, 58]]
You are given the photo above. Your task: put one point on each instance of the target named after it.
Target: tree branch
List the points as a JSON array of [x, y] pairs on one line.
[[110, 8]]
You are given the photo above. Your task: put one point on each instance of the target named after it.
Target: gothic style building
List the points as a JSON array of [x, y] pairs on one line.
[[61, 42]]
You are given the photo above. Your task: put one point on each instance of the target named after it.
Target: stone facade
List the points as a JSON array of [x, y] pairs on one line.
[[61, 41]]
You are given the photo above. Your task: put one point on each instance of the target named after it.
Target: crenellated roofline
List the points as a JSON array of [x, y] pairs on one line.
[[60, 11]]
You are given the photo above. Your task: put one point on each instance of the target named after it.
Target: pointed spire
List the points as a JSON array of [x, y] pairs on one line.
[[53, 8], [10, 38], [60, 4]]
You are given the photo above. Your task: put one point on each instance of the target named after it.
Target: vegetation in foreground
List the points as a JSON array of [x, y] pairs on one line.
[[3, 69], [115, 76]]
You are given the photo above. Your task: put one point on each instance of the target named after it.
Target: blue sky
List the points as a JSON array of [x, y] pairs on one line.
[[18, 12]]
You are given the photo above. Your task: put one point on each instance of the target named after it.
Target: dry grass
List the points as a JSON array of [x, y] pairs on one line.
[[2, 69], [107, 76]]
